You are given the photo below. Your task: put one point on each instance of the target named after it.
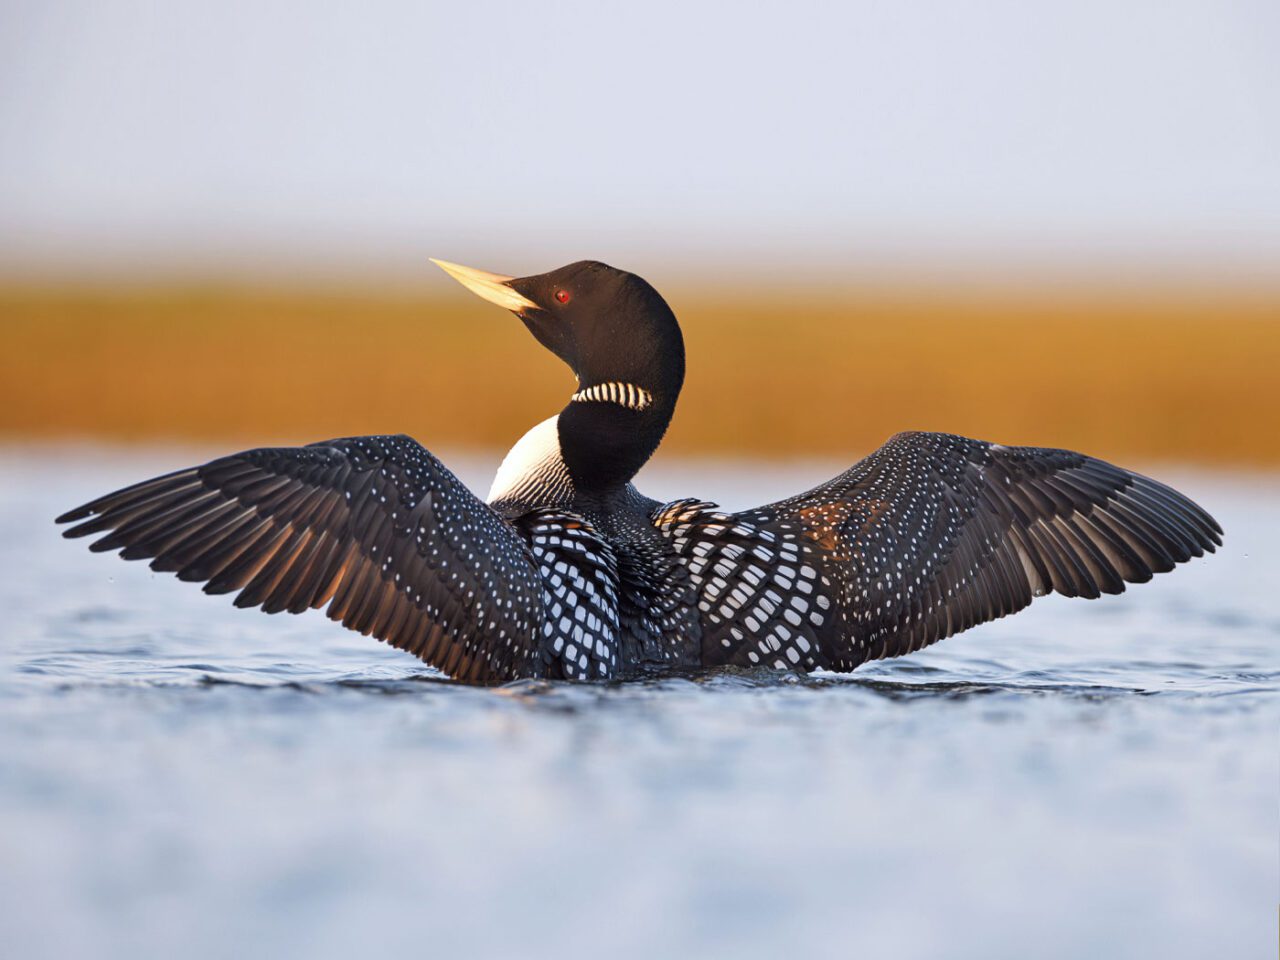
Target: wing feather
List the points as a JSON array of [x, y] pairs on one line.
[[933, 534], [374, 527]]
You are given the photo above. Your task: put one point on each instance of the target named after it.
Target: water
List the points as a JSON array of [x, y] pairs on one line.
[[181, 778]]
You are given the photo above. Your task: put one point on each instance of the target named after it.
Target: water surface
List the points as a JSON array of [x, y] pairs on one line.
[[178, 777]]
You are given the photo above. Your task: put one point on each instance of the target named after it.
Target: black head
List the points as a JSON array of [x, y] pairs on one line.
[[608, 325], [622, 341]]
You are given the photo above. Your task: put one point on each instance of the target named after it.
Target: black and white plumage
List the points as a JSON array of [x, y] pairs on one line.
[[928, 536], [569, 572]]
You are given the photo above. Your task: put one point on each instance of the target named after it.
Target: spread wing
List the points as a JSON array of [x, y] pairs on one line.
[[928, 536], [375, 527]]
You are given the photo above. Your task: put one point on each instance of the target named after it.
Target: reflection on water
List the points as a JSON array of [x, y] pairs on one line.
[[179, 777]]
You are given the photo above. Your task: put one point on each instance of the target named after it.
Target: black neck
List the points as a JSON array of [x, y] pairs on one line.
[[605, 444], [628, 355]]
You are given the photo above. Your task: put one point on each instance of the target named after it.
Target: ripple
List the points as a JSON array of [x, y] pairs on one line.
[[917, 685]]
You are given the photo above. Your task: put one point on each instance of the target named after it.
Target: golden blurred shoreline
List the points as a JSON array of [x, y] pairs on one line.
[[1130, 375]]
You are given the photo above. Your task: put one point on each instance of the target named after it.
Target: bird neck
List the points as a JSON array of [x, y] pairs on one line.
[[609, 431], [590, 449], [626, 397]]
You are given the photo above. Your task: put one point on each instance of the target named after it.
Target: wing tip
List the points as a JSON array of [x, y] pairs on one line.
[[71, 516], [106, 545]]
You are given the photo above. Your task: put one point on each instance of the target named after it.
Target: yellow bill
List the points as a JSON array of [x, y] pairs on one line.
[[488, 286]]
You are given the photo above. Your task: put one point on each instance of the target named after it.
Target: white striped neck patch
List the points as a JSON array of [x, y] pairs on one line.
[[625, 394]]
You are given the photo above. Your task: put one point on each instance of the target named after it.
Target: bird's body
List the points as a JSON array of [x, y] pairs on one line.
[[570, 572]]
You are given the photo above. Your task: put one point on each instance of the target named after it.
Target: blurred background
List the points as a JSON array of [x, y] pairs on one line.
[[1034, 224]]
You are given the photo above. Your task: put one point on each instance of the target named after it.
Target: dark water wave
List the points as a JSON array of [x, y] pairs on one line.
[[129, 666]]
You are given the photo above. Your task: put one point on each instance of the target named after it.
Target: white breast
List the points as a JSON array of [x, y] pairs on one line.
[[534, 470]]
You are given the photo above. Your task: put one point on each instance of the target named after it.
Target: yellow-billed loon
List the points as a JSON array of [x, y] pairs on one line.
[[570, 572]]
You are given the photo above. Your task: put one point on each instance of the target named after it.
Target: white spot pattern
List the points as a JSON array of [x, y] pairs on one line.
[[935, 533], [580, 636], [747, 576]]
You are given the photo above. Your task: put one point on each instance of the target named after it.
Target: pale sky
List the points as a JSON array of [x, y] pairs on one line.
[[368, 136]]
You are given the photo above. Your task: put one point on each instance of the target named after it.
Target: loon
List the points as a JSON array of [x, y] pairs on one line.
[[569, 572]]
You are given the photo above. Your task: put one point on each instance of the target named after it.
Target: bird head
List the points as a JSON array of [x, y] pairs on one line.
[[609, 326]]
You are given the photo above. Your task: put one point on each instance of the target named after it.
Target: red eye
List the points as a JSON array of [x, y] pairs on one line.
[[562, 296]]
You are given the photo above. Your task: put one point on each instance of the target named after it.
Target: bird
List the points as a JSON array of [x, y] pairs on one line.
[[568, 572]]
